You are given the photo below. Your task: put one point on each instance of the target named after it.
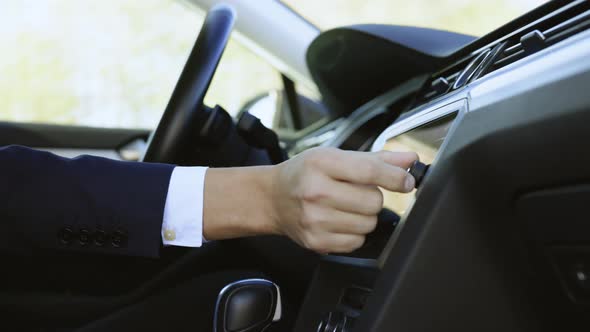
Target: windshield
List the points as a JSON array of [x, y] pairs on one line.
[[465, 16]]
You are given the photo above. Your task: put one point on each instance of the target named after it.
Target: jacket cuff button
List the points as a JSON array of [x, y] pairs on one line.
[[84, 237], [119, 238], [100, 237], [66, 235]]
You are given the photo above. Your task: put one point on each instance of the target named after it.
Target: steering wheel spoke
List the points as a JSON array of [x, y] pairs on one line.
[[186, 114]]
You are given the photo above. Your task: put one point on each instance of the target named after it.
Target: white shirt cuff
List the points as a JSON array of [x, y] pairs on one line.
[[183, 211]]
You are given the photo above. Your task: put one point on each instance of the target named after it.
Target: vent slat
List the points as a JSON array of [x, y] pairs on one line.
[[571, 19], [552, 35], [567, 24]]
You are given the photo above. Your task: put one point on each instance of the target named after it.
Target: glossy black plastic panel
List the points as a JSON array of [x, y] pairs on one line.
[[464, 258]]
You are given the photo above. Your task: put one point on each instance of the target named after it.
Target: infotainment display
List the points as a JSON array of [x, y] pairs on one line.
[[425, 140]]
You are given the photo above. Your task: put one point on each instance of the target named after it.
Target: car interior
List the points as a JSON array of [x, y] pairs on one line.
[[494, 238]]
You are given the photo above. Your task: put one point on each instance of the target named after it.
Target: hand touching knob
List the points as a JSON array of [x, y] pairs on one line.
[[418, 170]]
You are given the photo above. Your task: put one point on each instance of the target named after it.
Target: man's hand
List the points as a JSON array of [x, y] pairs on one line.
[[327, 200]]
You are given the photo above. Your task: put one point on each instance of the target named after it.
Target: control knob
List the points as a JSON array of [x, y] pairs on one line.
[[418, 170]]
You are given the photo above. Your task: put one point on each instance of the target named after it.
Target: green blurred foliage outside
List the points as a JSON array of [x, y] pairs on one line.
[[115, 63], [110, 63]]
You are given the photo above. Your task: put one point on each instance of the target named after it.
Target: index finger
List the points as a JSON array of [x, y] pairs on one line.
[[384, 169]]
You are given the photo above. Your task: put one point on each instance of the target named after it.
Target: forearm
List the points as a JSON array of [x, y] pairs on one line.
[[237, 202]]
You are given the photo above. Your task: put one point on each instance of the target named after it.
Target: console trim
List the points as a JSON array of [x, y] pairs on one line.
[[460, 107], [417, 120]]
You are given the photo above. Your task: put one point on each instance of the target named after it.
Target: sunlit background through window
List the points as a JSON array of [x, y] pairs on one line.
[[110, 63], [115, 63], [471, 17]]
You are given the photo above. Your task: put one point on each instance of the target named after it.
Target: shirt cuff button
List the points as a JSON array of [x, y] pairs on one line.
[[169, 235]]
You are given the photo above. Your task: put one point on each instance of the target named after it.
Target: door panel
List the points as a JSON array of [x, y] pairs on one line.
[[72, 141], [56, 136]]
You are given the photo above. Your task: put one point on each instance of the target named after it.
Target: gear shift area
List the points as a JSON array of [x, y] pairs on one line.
[[249, 305]]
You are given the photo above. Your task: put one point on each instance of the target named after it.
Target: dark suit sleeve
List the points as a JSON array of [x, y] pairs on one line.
[[85, 204]]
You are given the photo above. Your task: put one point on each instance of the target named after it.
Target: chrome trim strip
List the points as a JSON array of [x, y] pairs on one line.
[[559, 62], [523, 28], [417, 120]]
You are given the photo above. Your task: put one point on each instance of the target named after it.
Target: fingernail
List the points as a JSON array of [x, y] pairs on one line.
[[410, 182]]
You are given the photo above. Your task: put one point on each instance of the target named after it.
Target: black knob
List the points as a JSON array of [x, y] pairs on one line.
[[418, 170], [249, 305]]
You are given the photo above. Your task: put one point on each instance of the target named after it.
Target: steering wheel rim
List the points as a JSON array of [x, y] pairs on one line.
[[186, 113]]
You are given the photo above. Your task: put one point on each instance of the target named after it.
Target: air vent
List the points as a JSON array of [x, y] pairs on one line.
[[538, 39], [443, 81], [550, 29]]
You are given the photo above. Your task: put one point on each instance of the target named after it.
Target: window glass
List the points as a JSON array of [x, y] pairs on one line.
[[109, 63], [241, 76], [466, 16]]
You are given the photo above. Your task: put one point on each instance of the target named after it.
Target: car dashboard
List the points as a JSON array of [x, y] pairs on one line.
[[496, 237]]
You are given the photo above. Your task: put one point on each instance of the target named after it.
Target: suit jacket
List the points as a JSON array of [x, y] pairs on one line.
[[83, 204]]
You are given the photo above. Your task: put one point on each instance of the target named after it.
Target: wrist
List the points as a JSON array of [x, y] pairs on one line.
[[264, 194], [239, 202]]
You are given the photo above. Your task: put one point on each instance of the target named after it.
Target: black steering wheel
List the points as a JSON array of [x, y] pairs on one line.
[[186, 114]]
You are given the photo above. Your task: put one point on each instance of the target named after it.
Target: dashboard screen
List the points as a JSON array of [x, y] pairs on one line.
[[425, 140]]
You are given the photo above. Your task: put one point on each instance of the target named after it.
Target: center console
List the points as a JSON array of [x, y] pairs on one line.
[[497, 237], [343, 283]]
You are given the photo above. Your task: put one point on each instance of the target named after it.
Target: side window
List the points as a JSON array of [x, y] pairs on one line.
[[110, 63], [240, 77]]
